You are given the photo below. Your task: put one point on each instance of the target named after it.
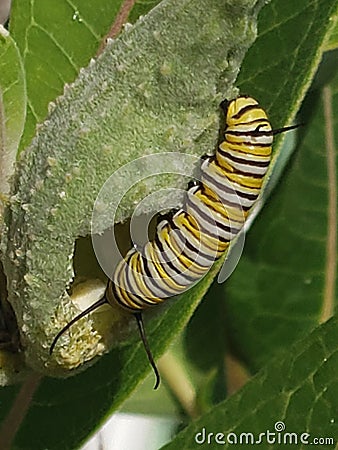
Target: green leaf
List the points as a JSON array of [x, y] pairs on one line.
[[140, 8], [332, 41], [279, 290], [298, 388], [205, 347], [12, 107], [279, 29], [273, 296], [56, 39]]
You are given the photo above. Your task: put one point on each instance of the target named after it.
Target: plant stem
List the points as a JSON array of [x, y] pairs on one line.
[[178, 381], [331, 245], [18, 411], [120, 20]]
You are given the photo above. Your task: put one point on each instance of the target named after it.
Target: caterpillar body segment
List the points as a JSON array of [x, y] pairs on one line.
[[189, 240]]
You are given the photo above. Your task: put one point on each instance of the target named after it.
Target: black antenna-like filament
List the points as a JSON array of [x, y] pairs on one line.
[[84, 313], [258, 132], [283, 130], [140, 324]]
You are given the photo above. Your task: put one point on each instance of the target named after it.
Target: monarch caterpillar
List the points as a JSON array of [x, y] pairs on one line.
[[190, 239]]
